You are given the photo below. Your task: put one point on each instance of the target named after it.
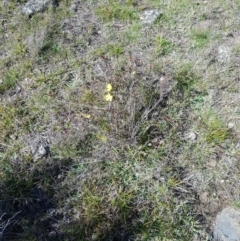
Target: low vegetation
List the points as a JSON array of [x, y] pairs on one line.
[[111, 129]]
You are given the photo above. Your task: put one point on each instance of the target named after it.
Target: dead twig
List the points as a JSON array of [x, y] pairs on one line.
[[5, 224]]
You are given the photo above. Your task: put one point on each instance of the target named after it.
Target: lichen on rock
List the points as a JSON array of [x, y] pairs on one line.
[[33, 6]]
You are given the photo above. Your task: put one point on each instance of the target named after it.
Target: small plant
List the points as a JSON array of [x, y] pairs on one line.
[[197, 101], [49, 48], [163, 46], [185, 79]]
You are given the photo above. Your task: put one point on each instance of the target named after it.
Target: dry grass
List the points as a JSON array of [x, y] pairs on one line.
[[122, 168]]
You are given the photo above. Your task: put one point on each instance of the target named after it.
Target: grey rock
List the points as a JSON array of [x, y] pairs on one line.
[[53, 235], [191, 136], [227, 227], [41, 152], [34, 6], [6, 3], [223, 54], [150, 16], [3, 55], [40, 147]]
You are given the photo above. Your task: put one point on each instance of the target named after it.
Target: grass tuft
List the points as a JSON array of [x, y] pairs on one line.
[[109, 50], [114, 10], [200, 38], [216, 131], [163, 46], [10, 79]]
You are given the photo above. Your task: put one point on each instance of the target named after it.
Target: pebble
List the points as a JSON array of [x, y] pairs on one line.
[[191, 135]]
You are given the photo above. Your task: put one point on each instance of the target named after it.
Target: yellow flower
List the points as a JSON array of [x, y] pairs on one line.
[[87, 116], [108, 97], [109, 87]]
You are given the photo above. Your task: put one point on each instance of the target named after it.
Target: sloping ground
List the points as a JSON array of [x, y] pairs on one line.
[[116, 129]]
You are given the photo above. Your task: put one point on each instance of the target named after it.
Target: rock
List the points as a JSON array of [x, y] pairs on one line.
[[6, 3], [34, 6], [203, 197], [230, 125], [227, 227], [52, 235], [191, 135], [39, 148], [212, 163], [41, 152], [3, 55], [223, 54], [150, 16]]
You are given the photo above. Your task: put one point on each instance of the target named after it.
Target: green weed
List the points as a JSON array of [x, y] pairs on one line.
[[197, 101]]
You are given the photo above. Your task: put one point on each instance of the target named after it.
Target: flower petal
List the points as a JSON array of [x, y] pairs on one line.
[[109, 87], [108, 97]]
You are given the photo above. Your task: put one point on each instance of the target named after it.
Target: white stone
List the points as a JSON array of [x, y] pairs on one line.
[[150, 16], [230, 125], [191, 135], [34, 6], [223, 54]]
